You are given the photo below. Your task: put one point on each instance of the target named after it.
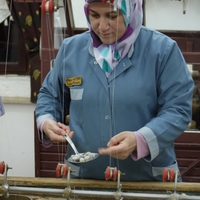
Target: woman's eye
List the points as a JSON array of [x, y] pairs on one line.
[[94, 15], [112, 16]]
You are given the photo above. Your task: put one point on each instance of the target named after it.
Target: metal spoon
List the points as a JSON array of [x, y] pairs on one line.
[[80, 157]]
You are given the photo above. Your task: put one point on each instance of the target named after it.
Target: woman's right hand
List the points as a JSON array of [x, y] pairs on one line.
[[56, 130]]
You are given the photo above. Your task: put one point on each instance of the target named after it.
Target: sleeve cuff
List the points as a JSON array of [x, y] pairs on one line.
[[46, 142], [142, 149]]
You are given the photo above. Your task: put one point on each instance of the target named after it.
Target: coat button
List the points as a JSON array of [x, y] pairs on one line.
[[107, 117], [95, 62]]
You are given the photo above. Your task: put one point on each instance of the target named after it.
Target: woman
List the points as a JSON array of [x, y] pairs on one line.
[[127, 89]]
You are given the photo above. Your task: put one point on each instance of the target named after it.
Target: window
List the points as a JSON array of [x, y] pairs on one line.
[[13, 59]]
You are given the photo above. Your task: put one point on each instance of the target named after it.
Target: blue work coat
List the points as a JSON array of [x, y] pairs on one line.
[[150, 91]]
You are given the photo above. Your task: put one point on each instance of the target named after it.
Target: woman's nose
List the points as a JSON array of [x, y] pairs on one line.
[[103, 24]]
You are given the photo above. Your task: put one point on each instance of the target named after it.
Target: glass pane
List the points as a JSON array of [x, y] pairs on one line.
[[59, 24], [9, 53], [59, 16], [78, 12]]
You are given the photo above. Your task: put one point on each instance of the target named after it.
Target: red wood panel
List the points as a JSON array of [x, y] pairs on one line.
[[48, 165], [46, 159], [51, 157], [47, 173], [185, 162], [187, 153], [59, 148], [187, 148], [189, 43], [194, 172], [192, 137]]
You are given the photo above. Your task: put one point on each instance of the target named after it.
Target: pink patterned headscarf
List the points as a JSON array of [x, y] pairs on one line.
[[108, 56]]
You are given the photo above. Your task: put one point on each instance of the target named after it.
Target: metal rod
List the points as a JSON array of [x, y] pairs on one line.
[[114, 194], [71, 143], [36, 190], [48, 191]]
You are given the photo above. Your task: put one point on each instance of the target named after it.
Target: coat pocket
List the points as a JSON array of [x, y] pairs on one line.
[[156, 171], [76, 94]]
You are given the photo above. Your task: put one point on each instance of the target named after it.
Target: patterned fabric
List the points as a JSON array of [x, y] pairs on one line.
[[27, 17], [2, 111], [108, 56]]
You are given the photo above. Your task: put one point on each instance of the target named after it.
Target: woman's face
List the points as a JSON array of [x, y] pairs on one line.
[[108, 24]]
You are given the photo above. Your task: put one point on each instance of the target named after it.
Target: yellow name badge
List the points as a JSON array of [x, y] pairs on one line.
[[77, 80]]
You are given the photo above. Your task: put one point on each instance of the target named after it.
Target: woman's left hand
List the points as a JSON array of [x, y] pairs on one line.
[[120, 146]]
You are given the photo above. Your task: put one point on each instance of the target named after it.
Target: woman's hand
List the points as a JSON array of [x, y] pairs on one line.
[[120, 146], [56, 130]]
